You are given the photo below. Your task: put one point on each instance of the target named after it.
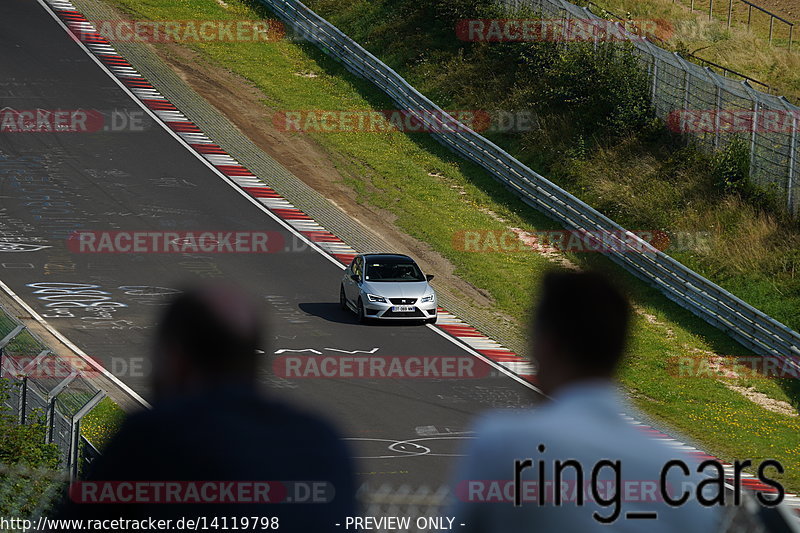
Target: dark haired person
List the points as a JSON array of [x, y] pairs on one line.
[[213, 447], [578, 333]]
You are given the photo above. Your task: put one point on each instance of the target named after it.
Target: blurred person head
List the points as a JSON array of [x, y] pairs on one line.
[[580, 328], [207, 336]]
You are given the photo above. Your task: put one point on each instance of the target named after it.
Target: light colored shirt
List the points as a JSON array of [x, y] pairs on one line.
[[583, 422]]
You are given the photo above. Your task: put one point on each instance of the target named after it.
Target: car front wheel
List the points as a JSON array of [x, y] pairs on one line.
[[342, 298], [362, 319]]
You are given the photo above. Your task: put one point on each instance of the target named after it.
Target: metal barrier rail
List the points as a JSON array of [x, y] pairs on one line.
[[749, 326]]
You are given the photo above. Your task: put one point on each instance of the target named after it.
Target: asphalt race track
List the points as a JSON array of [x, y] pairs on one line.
[[51, 184]]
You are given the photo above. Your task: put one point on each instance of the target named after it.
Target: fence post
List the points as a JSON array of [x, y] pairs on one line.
[[792, 163], [72, 456], [717, 106], [754, 127], [792, 157], [23, 400], [51, 403], [75, 434], [685, 67], [50, 420], [730, 12], [7, 339], [589, 16], [655, 81], [771, 25], [710, 9]]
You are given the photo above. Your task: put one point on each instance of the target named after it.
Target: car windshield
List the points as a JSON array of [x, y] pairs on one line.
[[392, 270]]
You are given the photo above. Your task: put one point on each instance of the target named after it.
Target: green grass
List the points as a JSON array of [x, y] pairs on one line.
[[435, 194], [102, 423]]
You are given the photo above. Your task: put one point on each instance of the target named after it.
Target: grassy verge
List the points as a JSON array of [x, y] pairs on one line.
[[435, 194], [102, 423]]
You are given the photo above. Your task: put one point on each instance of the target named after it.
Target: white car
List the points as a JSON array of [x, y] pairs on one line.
[[387, 287]]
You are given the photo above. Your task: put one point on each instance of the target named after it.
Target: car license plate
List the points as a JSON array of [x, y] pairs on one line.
[[403, 308]]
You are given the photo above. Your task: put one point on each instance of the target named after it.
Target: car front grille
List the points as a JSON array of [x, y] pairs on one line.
[[403, 301]]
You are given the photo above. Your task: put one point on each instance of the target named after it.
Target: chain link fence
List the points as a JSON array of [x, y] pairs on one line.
[[42, 387], [712, 109]]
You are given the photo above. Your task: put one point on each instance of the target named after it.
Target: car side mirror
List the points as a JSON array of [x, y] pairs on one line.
[[354, 277], [429, 276]]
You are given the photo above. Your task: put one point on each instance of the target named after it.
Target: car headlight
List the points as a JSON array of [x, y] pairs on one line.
[[376, 298], [428, 298]]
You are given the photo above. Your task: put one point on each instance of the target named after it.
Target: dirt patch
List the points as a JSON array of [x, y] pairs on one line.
[[770, 404], [242, 103]]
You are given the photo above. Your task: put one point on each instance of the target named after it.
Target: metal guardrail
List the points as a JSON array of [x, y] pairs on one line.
[[749, 326]]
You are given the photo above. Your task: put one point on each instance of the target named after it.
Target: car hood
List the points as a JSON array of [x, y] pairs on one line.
[[401, 289]]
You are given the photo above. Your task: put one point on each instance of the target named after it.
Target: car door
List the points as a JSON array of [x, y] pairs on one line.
[[351, 288]]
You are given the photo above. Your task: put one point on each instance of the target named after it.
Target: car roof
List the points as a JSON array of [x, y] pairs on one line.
[[379, 257]]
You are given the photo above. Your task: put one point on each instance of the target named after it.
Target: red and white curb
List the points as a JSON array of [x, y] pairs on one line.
[[748, 481], [85, 32], [485, 346]]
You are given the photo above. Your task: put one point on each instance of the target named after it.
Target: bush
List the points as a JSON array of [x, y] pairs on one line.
[[34, 484], [731, 166]]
